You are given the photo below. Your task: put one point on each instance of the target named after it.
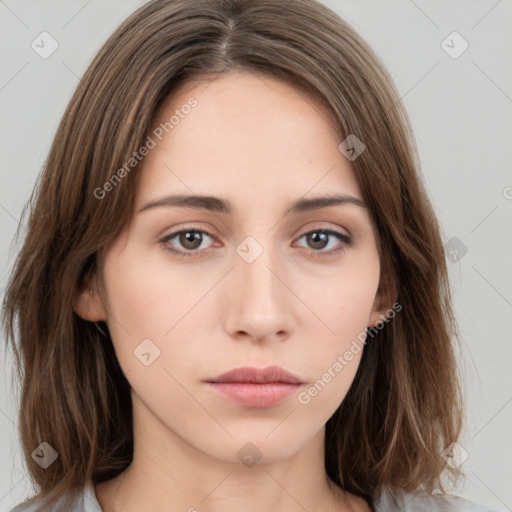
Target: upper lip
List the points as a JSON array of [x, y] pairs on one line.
[[259, 376]]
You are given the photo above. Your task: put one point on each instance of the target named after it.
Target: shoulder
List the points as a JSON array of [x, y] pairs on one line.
[[391, 500], [83, 501]]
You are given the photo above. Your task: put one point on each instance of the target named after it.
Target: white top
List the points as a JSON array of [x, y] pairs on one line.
[[388, 501]]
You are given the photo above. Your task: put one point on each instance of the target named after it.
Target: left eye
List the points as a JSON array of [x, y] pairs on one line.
[[319, 239]]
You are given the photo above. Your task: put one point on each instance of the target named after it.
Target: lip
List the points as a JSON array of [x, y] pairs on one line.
[[253, 375], [257, 388]]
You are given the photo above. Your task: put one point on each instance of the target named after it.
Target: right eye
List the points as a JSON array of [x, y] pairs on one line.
[[190, 239]]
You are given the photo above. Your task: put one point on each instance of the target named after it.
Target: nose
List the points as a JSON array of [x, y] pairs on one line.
[[259, 304]]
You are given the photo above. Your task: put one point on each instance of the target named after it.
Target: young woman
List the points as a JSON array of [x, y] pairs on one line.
[[232, 294]]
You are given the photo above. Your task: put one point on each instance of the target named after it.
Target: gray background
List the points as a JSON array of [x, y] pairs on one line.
[[461, 113]]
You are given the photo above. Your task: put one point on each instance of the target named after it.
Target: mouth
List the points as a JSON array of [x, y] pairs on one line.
[[256, 388]]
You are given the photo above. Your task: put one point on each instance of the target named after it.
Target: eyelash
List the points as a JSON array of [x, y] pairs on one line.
[[346, 242]]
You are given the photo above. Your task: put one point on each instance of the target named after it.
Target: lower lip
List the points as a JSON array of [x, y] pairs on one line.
[[255, 395]]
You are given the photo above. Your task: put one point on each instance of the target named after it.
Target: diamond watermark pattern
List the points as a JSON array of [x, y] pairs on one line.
[[249, 249], [146, 352], [44, 455], [352, 147], [455, 250], [44, 45], [249, 455], [454, 455], [454, 45]]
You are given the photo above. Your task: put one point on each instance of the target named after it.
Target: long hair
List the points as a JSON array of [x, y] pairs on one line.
[[404, 406]]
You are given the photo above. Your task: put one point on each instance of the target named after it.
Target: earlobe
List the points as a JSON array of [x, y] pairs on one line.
[[88, 305], [377, 315], [385, 298]]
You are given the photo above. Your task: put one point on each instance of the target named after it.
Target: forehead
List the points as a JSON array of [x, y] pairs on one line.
[[246, 135]]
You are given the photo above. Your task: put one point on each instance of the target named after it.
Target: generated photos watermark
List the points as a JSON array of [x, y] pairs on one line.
[[344, 359], [151, 143]]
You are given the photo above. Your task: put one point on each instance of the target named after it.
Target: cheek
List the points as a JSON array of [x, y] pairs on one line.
[[149, 299], [344, 304], [142, 295], [345, 299], [134, 301], [147, 308]]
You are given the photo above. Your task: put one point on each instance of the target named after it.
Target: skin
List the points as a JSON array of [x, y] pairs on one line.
[[260, 144]]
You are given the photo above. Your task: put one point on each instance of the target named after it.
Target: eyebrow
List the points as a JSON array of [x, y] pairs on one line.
[[218, 205]]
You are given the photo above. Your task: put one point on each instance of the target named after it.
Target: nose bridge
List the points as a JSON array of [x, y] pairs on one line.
[[255, 259], [258, 303]]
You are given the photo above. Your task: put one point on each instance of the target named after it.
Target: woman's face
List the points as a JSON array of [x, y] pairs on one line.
[[257, 284]]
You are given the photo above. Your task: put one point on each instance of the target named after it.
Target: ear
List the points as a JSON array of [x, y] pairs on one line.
[[385, 297], [88, 303]]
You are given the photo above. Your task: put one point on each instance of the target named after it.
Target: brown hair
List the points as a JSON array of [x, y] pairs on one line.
[[404, 405]]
